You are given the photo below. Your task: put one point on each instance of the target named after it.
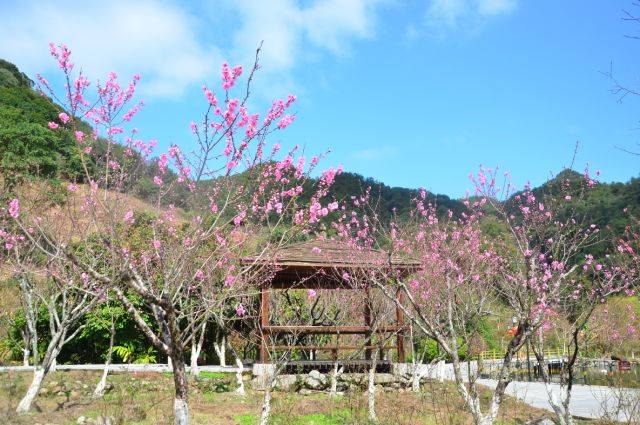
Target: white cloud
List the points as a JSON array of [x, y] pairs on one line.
[[153, 38], [447, 15], [172, 44], [289, 30]]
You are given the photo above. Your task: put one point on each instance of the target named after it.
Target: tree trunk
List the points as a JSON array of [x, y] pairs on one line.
[[415, 378], [221, 350], [99, 390], [196, 348], [266, 406], [562, 415], [195, 353], [27, 400], [25, 356], [180, 406], [334, 379], [31, 314], [38, 376], [239, 380], [371, 392]]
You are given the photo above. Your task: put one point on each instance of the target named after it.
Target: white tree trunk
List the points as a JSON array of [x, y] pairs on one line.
[[563, 417], [195, 353], [170, 364], [371, 392], [180, 405], [221, 350], [180, 411], [39, 374], [240, 390], [99, 390], [25, 356], [415, 378], [27, 400], [266, 406], [333, 391]]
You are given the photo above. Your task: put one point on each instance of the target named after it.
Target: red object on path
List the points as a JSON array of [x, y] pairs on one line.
[[624, 365]]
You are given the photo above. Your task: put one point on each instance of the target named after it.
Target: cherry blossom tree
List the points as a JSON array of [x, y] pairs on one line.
[[174, 259], [551, 267], [45, 282]]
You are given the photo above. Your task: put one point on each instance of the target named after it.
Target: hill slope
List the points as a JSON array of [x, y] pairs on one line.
[[28, 148]]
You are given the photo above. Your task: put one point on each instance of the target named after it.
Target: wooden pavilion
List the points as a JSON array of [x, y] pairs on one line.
[[322, 265]]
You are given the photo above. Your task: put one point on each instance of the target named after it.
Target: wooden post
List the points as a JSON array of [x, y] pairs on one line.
[[264, 322], [400, 323]]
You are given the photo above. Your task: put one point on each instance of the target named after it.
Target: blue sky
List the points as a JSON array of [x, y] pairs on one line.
[[412, 93]]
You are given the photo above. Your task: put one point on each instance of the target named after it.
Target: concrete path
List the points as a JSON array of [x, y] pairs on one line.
[[587, 401]]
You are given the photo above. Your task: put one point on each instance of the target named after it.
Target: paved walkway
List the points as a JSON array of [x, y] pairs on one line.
[[587, 401]]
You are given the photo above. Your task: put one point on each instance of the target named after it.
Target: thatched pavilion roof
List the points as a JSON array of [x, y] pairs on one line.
[[321, 263]]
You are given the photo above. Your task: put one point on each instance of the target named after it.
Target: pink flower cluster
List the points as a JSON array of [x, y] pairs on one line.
[[14, 208], [229, 76]]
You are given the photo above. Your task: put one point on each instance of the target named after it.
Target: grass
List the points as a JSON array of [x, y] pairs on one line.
[[336, 418], [213, 375], [147, 398]]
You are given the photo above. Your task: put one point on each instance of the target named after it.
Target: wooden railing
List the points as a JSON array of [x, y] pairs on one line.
[[549, 353]]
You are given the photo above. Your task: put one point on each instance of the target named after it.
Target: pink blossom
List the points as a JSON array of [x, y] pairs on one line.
[[87, 150], [162, 163], [311, 294], [174, 151], [53, 125], [14, 208], [63, 117], [230, 280], [316, 250], [210, 96], [239, 218], [229, 77], [240, 310], [199, 275], [128, 217], [156, 244], [79, 136], [286, 121], [157, 180], [567, 198]]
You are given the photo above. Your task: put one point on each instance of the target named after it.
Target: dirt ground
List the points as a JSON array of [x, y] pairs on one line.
[[146, 398]]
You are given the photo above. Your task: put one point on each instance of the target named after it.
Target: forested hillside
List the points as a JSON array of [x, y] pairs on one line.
[[29, 149]]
